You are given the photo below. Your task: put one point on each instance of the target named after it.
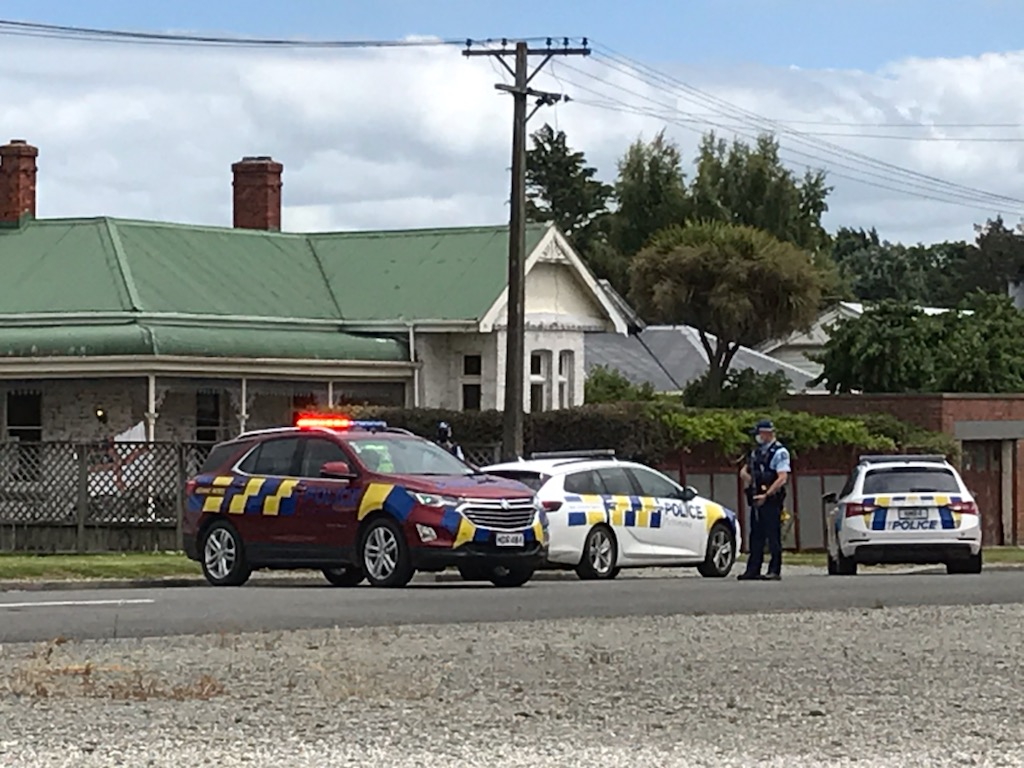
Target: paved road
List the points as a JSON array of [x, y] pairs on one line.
[[80, 614]]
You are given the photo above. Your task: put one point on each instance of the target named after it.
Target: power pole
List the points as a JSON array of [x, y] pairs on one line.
[[515, 349]]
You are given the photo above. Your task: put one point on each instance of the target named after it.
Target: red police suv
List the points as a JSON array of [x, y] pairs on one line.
[[357, 500]]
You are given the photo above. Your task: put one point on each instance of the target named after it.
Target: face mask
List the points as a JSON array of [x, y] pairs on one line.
[[761, 440]]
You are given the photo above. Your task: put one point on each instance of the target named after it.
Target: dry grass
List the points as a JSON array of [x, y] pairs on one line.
[[43, 677]]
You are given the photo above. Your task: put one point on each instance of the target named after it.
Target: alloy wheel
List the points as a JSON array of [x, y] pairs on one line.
[[600, 553], [380, 555], [220, 553]]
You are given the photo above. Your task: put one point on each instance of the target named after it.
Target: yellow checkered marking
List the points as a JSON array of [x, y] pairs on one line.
[[373, 498], [270, 505]]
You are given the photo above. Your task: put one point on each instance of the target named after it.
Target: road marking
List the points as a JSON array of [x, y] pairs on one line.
[[75, 603]]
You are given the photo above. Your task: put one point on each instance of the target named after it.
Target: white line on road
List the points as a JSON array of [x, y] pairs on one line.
[[75, 603]]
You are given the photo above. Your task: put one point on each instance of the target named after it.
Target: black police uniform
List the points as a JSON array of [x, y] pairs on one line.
[[766, 519]]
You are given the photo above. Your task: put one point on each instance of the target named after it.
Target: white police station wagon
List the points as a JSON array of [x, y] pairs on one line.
[[903, 509], [605, 515]]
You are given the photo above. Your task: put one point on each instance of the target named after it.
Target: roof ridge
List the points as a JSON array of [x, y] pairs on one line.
[[123, 264]]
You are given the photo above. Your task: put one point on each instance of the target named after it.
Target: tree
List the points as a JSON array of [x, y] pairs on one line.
[[746, 388], [742, 184], [896, 347], [650, 192], [562, 188], [608, 385], [886, 349], [998, 257], [736, 285]]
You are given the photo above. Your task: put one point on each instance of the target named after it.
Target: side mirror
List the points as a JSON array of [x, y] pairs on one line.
[[689, 493], [340, 470], [829, 498]]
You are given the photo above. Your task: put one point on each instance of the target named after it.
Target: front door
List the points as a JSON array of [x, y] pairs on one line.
[[327, 507], [982, 472]]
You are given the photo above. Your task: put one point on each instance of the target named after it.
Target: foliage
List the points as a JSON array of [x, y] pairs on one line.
[[562, 188], [650, 192], [746, 388], [608, 385], [938, 275], [650, 432], [743, 184], [894, 347], [735, 284]]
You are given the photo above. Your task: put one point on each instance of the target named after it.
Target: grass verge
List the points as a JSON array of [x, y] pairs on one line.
[[148, 565]]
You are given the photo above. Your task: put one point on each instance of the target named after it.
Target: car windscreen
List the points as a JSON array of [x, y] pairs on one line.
[[406, 456], [533, 480], [910, 480]]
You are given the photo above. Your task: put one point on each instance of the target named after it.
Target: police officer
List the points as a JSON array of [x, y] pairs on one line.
[[445, 440], [764, 477]]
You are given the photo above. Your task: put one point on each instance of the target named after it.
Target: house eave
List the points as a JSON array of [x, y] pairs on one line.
[[137, 366]]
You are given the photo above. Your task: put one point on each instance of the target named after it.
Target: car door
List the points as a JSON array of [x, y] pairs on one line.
[[681, 530], [624, 510], [327, 506], [263, 496]]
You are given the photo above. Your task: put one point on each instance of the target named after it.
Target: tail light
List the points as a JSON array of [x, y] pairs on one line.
[[853, 510], [551, 506], [190, 487], [964, 507]]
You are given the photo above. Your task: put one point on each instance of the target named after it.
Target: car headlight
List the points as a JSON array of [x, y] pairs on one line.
[[434, 499]]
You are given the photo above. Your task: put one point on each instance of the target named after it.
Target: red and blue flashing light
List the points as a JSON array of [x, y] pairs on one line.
[[322, 421]]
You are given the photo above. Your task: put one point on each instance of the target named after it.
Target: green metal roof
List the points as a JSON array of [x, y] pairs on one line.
[[132, 338], [438, 274], [129, 270]]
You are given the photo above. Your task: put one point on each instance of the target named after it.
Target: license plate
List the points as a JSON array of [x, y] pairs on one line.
[[509, 539], [913, 514]]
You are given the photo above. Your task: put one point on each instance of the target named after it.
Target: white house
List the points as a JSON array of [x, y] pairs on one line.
[[202, 331]]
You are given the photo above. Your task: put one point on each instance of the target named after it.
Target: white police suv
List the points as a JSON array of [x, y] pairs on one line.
[[605, 515], [903, 509]]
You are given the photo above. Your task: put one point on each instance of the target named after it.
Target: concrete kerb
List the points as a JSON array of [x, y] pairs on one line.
[[52, 585]]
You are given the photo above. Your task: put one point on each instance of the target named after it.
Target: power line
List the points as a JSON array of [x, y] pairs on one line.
[[909, 187], [708, 119], [636, 69], [11, 28]]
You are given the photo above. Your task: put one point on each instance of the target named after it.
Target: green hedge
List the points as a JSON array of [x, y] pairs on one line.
[[651, 432]]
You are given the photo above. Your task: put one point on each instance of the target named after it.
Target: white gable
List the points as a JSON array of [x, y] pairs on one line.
[[561, 293]]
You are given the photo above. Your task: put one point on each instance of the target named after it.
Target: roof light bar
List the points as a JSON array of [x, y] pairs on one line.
[[310, 421]]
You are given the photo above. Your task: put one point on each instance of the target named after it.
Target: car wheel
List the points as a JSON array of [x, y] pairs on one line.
[[721, 554], [971, 565], [224, 563], [833, 566], [384, 554], [472, 572], [845, 566], [510, 575], [346, 576], [600, 553]]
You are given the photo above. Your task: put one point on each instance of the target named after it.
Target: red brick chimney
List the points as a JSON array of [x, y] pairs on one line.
[[257, 187], [17, 181]]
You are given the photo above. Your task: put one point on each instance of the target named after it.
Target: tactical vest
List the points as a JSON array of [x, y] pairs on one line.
[[760, 467]]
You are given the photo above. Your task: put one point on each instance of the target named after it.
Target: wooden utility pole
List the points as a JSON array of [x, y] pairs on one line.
[[515, 349]]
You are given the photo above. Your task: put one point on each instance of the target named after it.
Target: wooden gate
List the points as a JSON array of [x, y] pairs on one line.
[[982, 470]]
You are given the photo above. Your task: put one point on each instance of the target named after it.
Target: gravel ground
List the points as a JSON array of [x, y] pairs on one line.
[[905, 687]]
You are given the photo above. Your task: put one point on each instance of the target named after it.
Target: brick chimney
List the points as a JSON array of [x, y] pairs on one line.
[[17, 181], [257, 186]]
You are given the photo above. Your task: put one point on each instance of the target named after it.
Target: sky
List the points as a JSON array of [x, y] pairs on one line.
[[911, 106]]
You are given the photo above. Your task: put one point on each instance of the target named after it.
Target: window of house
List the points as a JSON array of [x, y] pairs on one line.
[[272, 457], [25, 425], [566, 362], [540, 381], [472, 382], [208, 416]]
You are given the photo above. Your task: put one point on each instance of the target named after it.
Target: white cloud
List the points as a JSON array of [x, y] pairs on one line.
[[419, 137]]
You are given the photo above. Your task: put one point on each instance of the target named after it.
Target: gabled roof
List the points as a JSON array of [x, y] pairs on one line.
[[670, 357], [105, 265]]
